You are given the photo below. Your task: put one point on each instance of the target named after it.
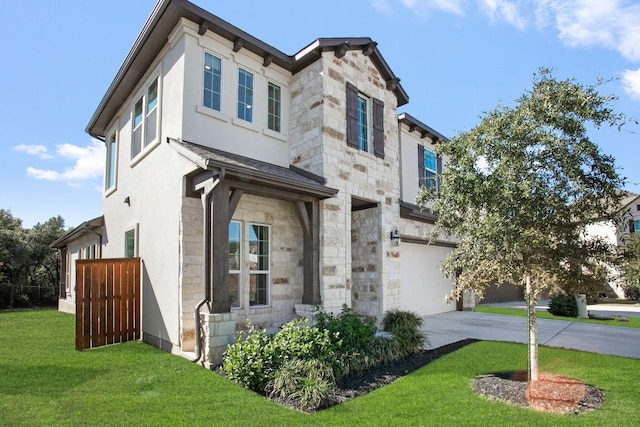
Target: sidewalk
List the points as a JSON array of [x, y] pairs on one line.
[[445, 328], [628, 310]]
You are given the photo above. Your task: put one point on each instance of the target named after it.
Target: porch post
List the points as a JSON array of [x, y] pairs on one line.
[[220, 249], [309, 220]]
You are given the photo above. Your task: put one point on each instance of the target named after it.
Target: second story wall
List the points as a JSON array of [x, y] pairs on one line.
[[418, 162]]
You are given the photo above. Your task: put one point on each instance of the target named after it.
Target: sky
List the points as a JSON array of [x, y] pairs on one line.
[[456, 59]]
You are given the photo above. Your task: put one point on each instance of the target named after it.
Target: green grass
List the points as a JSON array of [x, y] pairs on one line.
[[634, 322], [44, 381]]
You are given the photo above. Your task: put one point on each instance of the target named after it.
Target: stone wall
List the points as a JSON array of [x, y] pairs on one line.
[[365, 264]]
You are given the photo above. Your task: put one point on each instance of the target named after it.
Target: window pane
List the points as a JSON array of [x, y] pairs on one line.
[[245, 95], [130, 244], [234, 290], [430, 161], [274, 105], [234, 246], [258, 289], [363, 136], [259, 247], [637, 226], [112, 156], [151, 127], [212, 81], [152, 95], [137, 113]]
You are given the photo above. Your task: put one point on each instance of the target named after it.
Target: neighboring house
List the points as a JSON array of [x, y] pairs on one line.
[[614, 233], [255, 184]]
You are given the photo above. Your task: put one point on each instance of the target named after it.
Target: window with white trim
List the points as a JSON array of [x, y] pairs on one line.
[[430, 168], [112, 161], [245, 95], [363, 123], [235, 249], [259, 271], [274, 112], [145, 118], [212, 91]]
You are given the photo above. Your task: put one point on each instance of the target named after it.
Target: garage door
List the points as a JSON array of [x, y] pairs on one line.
[[422, 287]]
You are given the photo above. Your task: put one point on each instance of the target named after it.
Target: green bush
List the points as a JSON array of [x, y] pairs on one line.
[[251, 362], [309, 384], [405, 326], [632, 291], [563, 305], [297, 340], [353, 329]]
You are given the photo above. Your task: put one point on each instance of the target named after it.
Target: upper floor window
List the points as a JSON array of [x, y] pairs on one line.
[[274, 118], [365, 122], [429, 167], [145, 118], [245, 95], [112, 160], [212, 81]]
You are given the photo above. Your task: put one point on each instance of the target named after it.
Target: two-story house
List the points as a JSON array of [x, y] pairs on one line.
[[255, 184]]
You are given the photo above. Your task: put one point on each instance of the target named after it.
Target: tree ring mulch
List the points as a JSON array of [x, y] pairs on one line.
[[551, 393]]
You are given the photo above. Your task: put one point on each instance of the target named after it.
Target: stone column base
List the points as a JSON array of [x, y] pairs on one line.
[[307, 311], [219, 331]]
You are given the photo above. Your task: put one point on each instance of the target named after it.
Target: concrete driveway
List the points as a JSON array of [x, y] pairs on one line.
[[445, 328]]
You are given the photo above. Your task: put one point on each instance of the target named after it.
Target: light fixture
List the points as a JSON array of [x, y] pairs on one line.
[[127, 200], [394, 235]]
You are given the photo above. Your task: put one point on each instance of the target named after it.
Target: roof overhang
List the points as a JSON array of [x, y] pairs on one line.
[[86, 227], [166, 15], [425, 131]]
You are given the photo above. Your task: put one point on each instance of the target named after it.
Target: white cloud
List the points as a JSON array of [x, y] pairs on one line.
[[504, 10], [612, 24], [631, 82], [383, 6], [34, 150], [89, 164], [419, 6]]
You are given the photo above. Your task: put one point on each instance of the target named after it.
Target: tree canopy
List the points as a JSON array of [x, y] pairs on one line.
[[520, 188]]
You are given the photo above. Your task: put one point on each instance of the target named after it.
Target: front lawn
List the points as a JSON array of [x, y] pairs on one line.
[[634, 322], [44, 381]]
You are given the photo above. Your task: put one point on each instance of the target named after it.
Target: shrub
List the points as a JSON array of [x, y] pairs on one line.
[[631, 291], [563, 305], [251, 362], [353, 329], [297, 340], [309, 384], [384, 349], [405, 326]]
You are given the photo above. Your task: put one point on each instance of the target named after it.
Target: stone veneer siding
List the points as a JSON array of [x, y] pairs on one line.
[[365, 252], [318, 144]]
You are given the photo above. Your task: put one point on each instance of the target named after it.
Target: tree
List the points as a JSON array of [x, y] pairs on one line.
[[630, 267], [14, 255], [520, 189]]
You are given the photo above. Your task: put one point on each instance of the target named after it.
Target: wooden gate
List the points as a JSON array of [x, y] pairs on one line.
[[107, 301]]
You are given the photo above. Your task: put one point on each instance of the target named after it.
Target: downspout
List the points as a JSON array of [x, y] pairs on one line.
[[208, 194]]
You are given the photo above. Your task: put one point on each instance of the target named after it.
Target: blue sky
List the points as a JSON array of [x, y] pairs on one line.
[[455, 58]]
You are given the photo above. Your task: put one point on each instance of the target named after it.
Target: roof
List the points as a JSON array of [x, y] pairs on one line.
[[165, 16], [415, 124], [86, 227], [247, 169]]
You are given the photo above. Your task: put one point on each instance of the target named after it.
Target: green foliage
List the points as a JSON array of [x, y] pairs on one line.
[[405, 326], [297, 340], [631, 291], [353, 329], [630, 266], [383, 349], [309, 384], [521, 187], [563, 305]]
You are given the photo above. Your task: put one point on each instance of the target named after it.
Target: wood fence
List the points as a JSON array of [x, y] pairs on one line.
[[107, 301]]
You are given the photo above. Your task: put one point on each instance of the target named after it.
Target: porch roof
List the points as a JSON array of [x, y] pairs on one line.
[[86, 227], [252, 171]]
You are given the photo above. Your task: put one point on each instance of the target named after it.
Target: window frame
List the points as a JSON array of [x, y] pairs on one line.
[[111, 166], [363, 123], [236, 272], [134, 253], [430, 174], [149, 111], [372, 114], [274, 118], [245, 101], [213, 76], [259, 272]]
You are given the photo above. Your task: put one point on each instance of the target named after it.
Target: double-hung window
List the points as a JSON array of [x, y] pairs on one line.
[[212, 82], [365, 122], [245, 95], [235, 249], [145, 118], [259, 264], [430, 168], [112, 161], [274, 110]]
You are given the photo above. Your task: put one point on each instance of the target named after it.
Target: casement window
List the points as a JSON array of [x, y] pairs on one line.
[[245, 95], [130, 244], [365, 122], [212, 94], [145, 118], [274, 110], [235, 249], [249, 264], [429, 168], [112, 161]]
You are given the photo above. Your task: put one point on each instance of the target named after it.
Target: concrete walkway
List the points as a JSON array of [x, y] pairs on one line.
[[445, 328]]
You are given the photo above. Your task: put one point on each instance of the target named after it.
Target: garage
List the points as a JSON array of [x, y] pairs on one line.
[[422, 287]]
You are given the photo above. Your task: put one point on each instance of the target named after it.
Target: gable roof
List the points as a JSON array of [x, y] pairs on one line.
[[164, 18], [86, 227]]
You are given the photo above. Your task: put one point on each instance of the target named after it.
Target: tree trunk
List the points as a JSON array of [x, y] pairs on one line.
[[533, 331]]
